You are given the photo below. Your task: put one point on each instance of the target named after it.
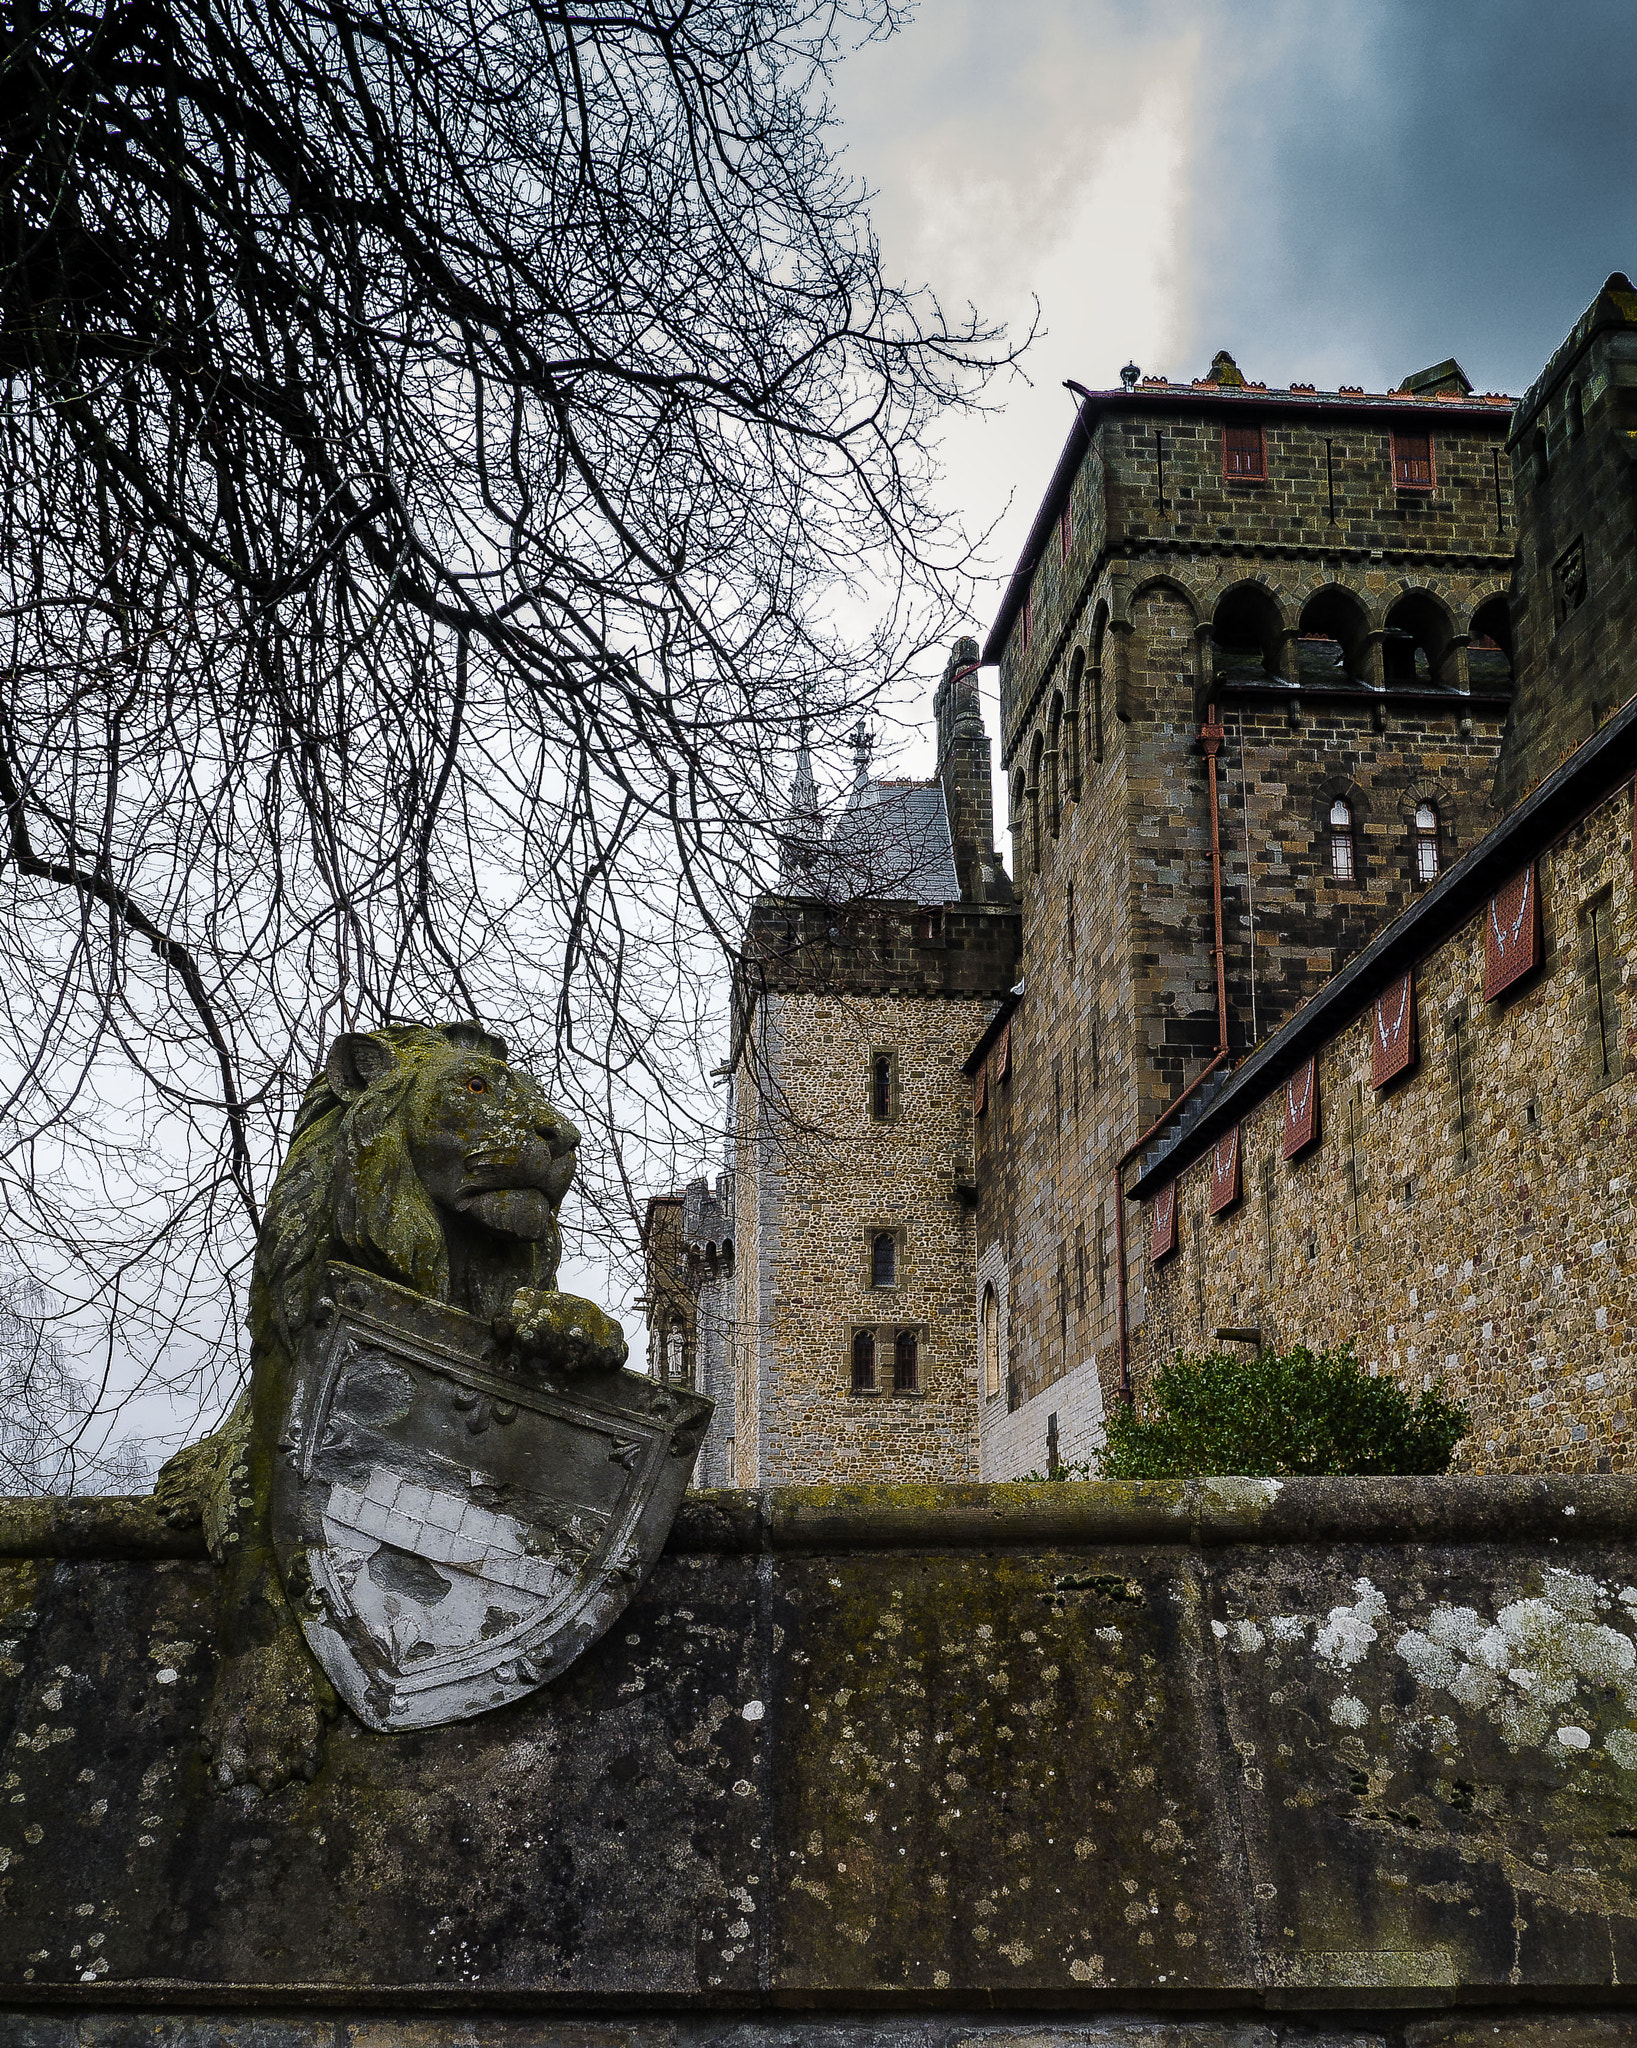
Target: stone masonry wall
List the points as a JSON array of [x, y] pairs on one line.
[[823, 1176], [1575, 605], [877, 1768], [1111, 823], [1472, 1225]]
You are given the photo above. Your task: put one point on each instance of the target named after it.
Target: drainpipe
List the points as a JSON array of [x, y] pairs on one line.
[[1211, 735]]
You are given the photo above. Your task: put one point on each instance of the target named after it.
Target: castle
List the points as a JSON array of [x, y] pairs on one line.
[[1284, 675]]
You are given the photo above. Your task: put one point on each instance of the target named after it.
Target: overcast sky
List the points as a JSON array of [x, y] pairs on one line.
[[1333, 190], [1336, 191]]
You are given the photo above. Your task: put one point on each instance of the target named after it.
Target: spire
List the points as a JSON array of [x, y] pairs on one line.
[[863, 746], [802, 834]]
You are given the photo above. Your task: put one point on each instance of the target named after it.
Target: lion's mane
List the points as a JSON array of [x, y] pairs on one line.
[[349, 1189]]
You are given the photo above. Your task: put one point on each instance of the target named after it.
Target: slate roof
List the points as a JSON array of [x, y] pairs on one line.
[[892, 842]]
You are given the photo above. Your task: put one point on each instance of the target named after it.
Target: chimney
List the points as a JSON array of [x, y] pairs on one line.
[[963, 769]]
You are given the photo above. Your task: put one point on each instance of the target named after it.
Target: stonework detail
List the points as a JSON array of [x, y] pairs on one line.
[[1474, 1226], [819, 1180], [1353, 640]]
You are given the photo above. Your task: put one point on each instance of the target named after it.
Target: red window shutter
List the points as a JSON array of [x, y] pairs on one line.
[[1392, 1047], [1163, 1237], [1302, 1108], [1003, 1055], [1225, 1173], [1242, 451], [1412, 461], [981, 1100], [1511, 934]]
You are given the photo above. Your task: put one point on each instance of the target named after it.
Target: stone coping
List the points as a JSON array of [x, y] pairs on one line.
[[1202, 1513]]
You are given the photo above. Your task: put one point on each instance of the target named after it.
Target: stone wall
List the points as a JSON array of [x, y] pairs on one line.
[[823, 1177], [1575, 603], [1134, 634], [1209, 1766], [1472, 1224]]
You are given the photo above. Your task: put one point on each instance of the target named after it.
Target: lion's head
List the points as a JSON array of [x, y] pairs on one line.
[[421, 1154]]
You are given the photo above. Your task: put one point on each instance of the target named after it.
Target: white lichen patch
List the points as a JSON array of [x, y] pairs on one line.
[[1530, 1662], [1348, 1712], [1346, 1636]]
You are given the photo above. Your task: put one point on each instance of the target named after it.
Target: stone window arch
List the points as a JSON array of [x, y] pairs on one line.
[[1489, 648], [1334, 643], [1053, 759], [1343, 847], [991, 1340], [1247, 633], [1037, 760], [1427, 851], [1071, 726], [1418, 645], [863, 1361]]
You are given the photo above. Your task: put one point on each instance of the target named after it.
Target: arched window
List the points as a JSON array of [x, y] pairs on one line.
[[1341, 840], [1071, 727], [1036, 775], [884, 1259], [1054, 749], [863, 1361], [906, 1363], [881, 1087], [991, 1342], [1426, 844], [1068, 915]]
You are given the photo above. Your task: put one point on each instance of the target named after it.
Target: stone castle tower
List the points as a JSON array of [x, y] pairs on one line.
[[859, 994], [1254, 668]]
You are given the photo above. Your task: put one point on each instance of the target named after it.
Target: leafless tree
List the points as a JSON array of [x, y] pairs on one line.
[[444, 444]]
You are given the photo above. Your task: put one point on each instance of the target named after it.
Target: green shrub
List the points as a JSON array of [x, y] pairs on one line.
[[1279, 1413]]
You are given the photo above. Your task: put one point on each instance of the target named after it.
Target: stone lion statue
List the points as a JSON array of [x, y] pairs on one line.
[[421, 1154]]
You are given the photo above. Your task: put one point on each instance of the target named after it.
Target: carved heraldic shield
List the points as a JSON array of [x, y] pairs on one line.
[[453, 1532]]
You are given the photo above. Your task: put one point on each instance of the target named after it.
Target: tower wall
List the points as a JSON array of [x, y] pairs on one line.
[[1173, 588], [1574, 439]]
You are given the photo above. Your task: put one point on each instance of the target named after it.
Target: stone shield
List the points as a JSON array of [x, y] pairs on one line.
[[453, 1531]]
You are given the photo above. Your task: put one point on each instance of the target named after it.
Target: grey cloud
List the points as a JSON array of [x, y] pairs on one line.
[[1387, 182]]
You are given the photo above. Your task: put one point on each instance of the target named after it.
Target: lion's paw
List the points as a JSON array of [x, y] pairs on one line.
[[265, 1722], [184, 1480], [563, 1331]]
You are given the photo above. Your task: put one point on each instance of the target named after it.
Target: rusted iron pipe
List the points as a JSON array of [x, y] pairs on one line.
[[1211, 735]]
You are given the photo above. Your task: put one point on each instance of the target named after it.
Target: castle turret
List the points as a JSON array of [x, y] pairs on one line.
[[963, 770], [1574, 604]]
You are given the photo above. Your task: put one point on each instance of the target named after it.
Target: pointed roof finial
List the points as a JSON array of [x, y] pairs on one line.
[[863, 746]]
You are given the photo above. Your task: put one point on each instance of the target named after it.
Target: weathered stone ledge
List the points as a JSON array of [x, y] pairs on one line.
[[1205, 1514], [1067, 1751], [150, 2027]]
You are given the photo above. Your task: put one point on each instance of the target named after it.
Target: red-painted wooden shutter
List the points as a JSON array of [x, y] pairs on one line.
[[1225, 1174], [1392, 1046], [1163, 1239], [1511, 933], [1003, 1055], [1412, 461], [1302, 1108], [981, 1100], [1242, 451]]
